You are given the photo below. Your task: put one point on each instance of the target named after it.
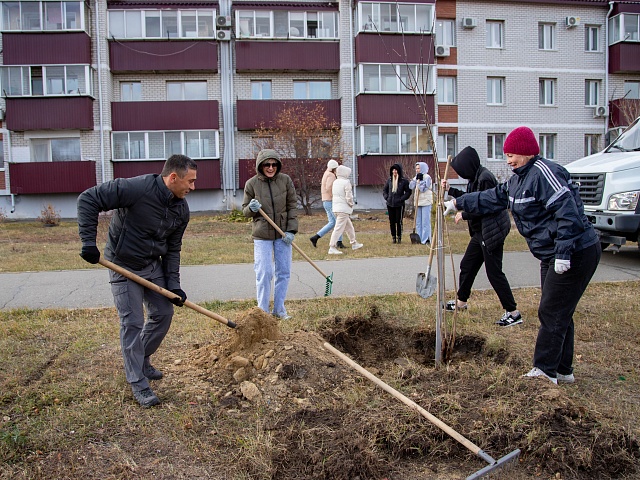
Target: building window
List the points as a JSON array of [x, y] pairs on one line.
[[161, 145], [46, 16], [391, 139], [495, 91], [311, 90], [261, 90], [286, 24], [495, 35], [591, 38], [1, 155], [591, 144], [395, 17], [50, 80], [446, 90], [624, 28], [591, 93], [547, 91], [547, 145], [447, 145], [445, 33], [186, 90], [388, 78], [55, 149], [546, 36], [161, 23], [130, 91], [495, 141], [632, 90]]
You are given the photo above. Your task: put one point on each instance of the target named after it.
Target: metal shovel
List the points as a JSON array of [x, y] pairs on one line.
[[415, 238], [425, 282]]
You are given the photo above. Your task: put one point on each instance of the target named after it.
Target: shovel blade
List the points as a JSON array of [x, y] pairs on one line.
[[426, 285]]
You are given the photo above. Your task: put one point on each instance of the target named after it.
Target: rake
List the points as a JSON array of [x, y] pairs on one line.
[[328, 288], [493, 464]]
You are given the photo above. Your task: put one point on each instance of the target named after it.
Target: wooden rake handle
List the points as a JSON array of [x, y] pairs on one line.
[[279, 230], [163, 291]]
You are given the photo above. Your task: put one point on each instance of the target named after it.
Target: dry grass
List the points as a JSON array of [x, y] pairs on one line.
[[209, 240], [67, 412]]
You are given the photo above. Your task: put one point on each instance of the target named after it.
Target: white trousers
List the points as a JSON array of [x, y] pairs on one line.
[[343, 225]]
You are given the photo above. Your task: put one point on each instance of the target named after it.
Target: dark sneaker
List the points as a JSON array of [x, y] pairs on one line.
[[509, 320], [314, 240], [151, 373], [340, 244], [451, 306], [146, 398]]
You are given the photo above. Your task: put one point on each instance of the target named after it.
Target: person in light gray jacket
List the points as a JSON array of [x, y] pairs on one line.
[[342, 205]]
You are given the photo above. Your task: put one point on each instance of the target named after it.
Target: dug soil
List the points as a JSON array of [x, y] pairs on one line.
[[321, 419]]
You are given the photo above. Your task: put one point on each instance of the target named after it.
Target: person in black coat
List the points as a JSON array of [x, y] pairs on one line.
[[487, 233], [396, 191]]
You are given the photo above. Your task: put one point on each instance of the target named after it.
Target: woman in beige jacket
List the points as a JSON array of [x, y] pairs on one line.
[[327, 196]]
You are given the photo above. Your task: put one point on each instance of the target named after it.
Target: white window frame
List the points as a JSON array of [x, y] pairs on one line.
[[592, 143], [44, 140], [548, 145], [378, 132], [205, 23], [402, 81], [547, 92], [261, 85], [445, 32], [184, 136], [17, 80], [129, 92], [495, 141], [300, 24], [592, 38], [371, 17], [447, 90], [591, 93], [546, 36], [13, 24], [495, 88], [618, 28], [632, 89], [308, 84], [495, 34], [183, 86], [447, 144]]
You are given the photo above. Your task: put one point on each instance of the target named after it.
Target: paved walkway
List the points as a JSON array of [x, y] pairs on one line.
[[90, 288]]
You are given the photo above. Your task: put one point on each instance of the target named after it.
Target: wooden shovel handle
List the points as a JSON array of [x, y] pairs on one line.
[[279, 230], [163, 291]]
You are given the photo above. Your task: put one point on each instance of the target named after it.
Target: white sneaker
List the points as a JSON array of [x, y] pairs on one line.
[[536, 372], [334, 251], [356, 246], [566, 378]]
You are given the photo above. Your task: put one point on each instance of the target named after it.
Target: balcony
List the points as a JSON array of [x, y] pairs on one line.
[[127, 56], [170, 115], [51, 177], [623, 111], [412, 49], [208, 171], [46, 48], [254, 114], [624, 57], [288, 56], [390, 109], [52, 113]]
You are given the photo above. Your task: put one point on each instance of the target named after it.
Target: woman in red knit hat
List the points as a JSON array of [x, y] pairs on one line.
[[548, 212]]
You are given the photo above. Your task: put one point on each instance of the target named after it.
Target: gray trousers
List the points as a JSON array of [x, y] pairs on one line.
[[140, 339]]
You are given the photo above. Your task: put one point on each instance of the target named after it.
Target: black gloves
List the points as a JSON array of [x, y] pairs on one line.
[[419, 176], [90, 253], [178, 301]]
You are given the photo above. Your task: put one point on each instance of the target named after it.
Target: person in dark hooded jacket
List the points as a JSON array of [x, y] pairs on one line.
[[480, 249], [396, 191]]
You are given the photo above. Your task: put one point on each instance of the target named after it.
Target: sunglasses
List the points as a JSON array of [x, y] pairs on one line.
[[270, 165]]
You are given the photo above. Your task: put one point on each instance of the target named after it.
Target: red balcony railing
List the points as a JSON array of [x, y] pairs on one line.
[[623, 111], [624, 57], [163, 56], [59, 48], [390, 109], [49, 113], [173, 115], [51, 177], [253, 114], [289, 56]]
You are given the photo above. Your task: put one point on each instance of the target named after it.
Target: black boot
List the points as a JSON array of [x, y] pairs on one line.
[[394, 240], [314, 240], [399, 239], [340, 244]]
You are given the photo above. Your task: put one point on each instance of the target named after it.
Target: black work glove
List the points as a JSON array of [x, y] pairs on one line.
[[90, 253], [420, 176], [178, 301]]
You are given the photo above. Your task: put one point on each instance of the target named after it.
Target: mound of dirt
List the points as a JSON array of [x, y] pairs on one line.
[[327, 421]]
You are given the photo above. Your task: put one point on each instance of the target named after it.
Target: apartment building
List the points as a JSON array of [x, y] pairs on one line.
[[98, 90]]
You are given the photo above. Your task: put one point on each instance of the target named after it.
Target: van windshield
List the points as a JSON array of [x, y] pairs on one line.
[[629, 140]]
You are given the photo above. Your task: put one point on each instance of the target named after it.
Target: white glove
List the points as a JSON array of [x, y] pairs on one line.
[[450, 207], [254, 205], [562, 266]]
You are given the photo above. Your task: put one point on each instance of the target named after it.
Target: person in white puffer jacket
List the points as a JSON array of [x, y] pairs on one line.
[[342, 204]]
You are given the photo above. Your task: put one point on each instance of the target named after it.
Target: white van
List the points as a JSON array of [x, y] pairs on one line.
[[609, 184]]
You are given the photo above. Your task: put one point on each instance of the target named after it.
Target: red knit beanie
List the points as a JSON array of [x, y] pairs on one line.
[[521, 141]]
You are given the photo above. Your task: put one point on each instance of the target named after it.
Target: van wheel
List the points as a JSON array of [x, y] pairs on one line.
[[604, 245]]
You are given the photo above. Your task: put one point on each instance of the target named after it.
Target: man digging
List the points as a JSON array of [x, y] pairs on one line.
[[145, 237]]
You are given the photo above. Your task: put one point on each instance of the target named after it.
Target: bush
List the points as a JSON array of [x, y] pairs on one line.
[[49, 215]]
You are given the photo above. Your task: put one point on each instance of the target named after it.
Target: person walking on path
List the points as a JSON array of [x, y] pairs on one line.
[[549, 214], [488, 233], [273, 191], [342, 208], [326, 185], [422, 186], [145, 237], [396, 191]]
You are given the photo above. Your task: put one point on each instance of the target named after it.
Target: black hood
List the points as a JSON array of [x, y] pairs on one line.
[[398, 167], [466, 163]]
